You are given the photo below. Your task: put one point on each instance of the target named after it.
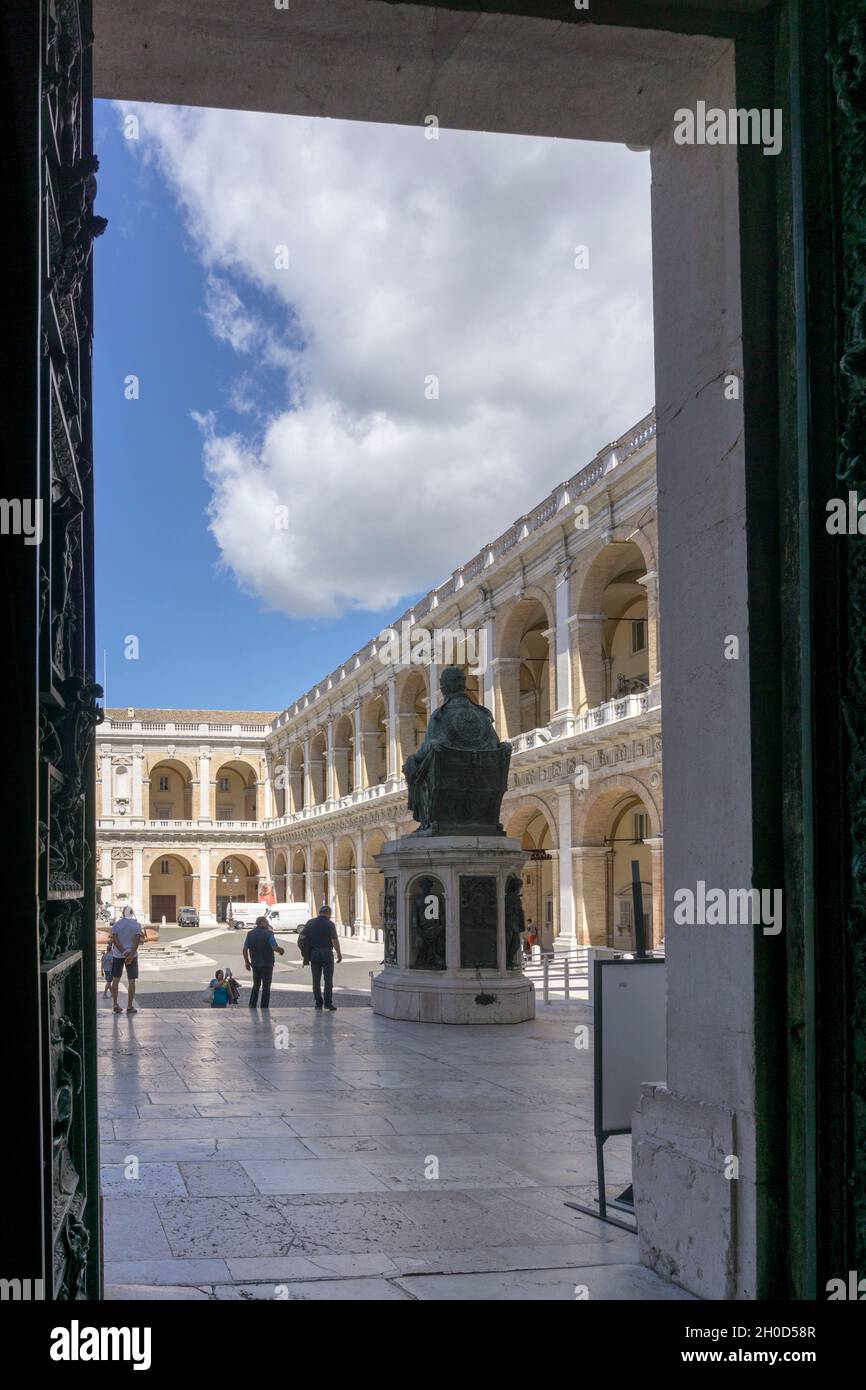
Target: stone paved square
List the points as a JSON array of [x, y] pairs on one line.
[[376, 1160]]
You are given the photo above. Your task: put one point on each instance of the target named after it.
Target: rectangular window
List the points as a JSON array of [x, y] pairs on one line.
[[638, 635], [164, 866], [163, 784], [640, 827], [223, 784]]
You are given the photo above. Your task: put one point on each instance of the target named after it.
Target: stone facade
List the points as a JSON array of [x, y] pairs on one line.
[[557, 625]]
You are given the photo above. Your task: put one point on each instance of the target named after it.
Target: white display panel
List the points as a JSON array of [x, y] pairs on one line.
[[630, 1040]]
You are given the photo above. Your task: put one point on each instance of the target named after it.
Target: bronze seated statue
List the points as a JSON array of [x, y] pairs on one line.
[[459, 775]]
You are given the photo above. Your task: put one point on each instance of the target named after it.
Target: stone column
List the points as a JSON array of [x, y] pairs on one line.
[[309, 799], [105, 894], [137, 757], [590, 662], [360, 885], [106, 772], [650, 582], [359, 747], [267, 794], [656, 848], [341, 771], [405, 739], [392, 769], [487, 677], [567, 923], [287, 780], [370, 745], [330, 789], [206, 910], [564, 699], [142, 909], [204, 791], [589, 872], [506, 678], [432, 685], [295, 783]]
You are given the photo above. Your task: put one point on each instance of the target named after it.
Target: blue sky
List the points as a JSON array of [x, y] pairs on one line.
[[300, 386], [203, 642]]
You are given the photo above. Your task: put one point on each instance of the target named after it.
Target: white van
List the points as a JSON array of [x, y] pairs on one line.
[[288, 917], [244, 914]]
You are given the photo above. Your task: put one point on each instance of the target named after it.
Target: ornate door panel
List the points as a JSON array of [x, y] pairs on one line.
[[67, 695]]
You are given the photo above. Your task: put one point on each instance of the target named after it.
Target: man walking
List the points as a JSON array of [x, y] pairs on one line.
[[318, 941], [259, 947], [125, 937]]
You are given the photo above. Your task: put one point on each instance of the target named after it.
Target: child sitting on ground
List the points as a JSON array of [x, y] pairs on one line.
[[220, 991]]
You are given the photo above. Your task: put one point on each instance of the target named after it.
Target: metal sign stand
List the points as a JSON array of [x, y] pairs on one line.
[[625, 1200]]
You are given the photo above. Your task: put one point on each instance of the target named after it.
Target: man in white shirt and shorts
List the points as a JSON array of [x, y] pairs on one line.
[[125, 937]]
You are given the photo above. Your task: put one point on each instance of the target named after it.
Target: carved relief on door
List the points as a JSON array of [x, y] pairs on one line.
[[67, 692]]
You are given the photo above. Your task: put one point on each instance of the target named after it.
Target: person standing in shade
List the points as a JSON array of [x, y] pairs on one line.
[[259, 947], [318, 941], [125, 937]]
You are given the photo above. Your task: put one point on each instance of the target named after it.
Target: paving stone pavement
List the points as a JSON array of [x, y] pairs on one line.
[[345, 1156]]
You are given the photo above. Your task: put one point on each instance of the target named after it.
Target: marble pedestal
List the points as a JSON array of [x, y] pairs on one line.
[[476, 985]]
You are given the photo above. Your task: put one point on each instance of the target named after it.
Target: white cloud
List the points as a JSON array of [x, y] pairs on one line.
[[229, 320], [407, 258]]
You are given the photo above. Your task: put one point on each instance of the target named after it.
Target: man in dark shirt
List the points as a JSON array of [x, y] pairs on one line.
[[318, 942], [259, 948]]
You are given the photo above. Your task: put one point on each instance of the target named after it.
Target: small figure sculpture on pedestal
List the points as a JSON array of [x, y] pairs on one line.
[[514, 923], [427, 926]]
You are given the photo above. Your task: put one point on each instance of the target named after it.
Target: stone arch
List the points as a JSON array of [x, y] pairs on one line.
[[614, 592], [169, 884], [374, 738], [169, 789], [525, 664], [297, 783], [236, 789], [413, 710], [321, 879], [237, 874], [279, 876], [344, 755], [594, 805], [300, 879], [517, 814], [374, 879], [345, 882], [318, 769], [533, 822], [619, 822]]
